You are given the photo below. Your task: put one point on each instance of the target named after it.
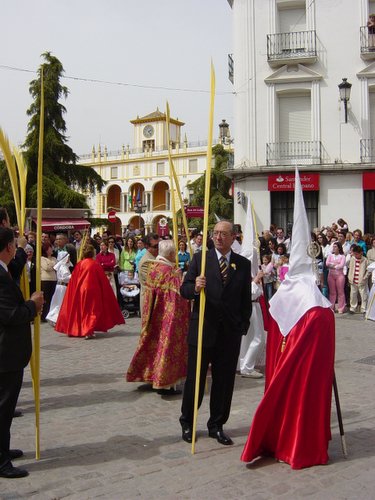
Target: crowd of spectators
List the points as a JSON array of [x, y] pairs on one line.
[[341, 263]]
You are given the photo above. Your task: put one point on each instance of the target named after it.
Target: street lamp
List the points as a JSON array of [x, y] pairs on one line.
[[140, 209], [224, 131], [345, 88]]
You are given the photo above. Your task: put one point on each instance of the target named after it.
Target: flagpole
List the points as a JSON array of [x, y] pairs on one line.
[[202, 298]]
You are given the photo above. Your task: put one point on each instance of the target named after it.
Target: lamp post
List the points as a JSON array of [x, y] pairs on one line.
[[224, 132], [345, 88], [140, 209]]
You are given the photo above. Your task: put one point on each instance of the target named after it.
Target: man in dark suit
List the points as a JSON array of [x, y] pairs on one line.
[[15, 349], [227, 284]]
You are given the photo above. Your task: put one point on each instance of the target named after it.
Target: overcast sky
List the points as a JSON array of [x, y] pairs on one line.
[[153, 43]]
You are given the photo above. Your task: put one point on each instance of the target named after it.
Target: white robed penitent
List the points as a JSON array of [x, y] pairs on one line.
[[252, 343], [63, 275], [370, 312]]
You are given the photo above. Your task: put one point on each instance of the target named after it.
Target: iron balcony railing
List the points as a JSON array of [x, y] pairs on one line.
[[299, 44], [367, 148], [367, 40], [300, 152]]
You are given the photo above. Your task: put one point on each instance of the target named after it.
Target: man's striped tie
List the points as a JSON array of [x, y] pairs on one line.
[[223, 269]]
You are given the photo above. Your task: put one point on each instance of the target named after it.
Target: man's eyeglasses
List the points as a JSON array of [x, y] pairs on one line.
[[224, 234], [155, 246]]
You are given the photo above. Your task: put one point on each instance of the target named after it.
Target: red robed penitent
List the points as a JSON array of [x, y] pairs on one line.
[[292, 422], [89, 304]]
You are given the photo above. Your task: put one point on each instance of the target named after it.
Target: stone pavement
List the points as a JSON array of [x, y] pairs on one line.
[[104, 438]]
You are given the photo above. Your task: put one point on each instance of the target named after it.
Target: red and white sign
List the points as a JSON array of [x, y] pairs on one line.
[[112, 216], [285, 182], [192, 212], [368, 181]]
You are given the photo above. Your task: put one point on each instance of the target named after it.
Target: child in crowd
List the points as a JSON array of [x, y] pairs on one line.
[[268, 275], [284, 267]]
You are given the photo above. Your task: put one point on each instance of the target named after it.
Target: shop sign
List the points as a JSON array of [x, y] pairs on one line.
[[285, 182], [194, 212]]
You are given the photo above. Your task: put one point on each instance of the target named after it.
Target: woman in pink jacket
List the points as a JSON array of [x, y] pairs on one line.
[[336, 279]]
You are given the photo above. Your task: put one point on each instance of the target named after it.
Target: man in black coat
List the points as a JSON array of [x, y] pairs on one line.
[[227, 284], [15, 349]]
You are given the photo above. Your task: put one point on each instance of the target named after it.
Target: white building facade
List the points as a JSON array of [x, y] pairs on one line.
[[289, 58], [138, 185]]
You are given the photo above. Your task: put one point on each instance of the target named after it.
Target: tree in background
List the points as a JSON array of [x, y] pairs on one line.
[[221, 202], [62, 177]]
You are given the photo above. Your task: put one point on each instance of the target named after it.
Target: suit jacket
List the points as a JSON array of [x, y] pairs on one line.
[[15, 330], [228, 308]]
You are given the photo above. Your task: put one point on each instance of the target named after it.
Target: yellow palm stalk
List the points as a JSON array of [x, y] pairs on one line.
[[175, 177], [202, 301]]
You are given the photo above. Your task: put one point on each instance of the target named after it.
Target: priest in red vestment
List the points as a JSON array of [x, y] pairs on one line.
[[161, 355], [292, 422], [89, 303]]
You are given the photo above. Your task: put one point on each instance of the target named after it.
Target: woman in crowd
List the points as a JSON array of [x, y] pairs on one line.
[[141, 250], [89, 304], [127, 256], [48, 277], [113, 249], [272, 250], [280, 250], [108, 261], [183, 256], [325, 248], [335, 264]]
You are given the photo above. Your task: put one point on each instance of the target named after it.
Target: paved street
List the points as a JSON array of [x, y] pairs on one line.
[[104, 438]]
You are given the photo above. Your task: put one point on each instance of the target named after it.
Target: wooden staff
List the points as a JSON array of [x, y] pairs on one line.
[[339, 417], [202, 298], [173, 198], [175, 177]]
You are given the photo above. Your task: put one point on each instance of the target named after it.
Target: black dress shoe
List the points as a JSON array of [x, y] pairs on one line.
[[169, 392], [187, 434], [221, 437], [17, 413], [10, 472], [13, 454]]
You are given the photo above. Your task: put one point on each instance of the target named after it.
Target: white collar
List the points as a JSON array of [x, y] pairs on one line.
[[3, 265], [219, 255]]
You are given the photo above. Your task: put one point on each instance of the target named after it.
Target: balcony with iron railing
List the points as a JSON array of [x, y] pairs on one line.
[[291, 48], [367, 43], [367, 150], [294, 153]]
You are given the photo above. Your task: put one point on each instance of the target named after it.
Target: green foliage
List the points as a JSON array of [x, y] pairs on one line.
[[61, 175], [6, 195], [221, 203]]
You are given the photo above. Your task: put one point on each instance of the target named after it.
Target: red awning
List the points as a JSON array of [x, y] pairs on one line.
[[368, 181], [63, 224]]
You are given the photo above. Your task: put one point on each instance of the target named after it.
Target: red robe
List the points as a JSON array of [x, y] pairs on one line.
[[292, 422], [161, 355], [89, 304]]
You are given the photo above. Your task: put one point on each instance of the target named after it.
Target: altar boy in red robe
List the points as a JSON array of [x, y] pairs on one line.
[[292, 422]]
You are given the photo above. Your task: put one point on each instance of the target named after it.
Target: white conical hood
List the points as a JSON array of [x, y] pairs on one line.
[[298, 292], [248, 248]]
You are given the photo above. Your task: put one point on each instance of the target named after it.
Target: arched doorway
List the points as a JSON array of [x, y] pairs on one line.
[[155, 223], [160, 199], [137, 222], [115, 227], [114, 198]]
